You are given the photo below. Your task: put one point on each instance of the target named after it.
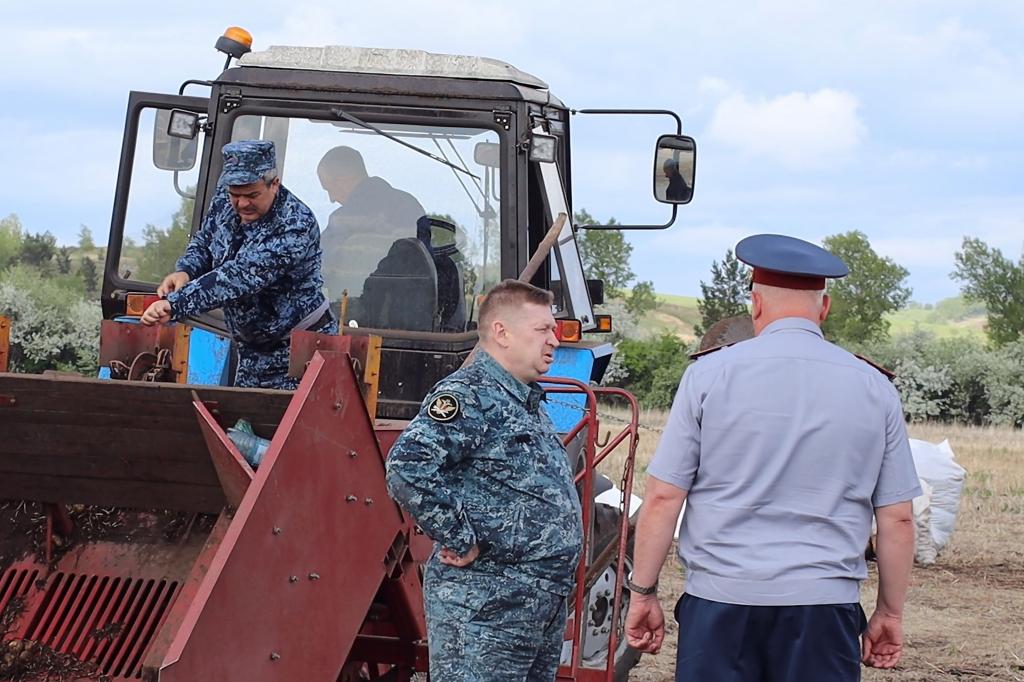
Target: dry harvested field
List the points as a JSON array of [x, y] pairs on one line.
[[965, 615]]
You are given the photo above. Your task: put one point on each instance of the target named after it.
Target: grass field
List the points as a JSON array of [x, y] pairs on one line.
[[965, 615]]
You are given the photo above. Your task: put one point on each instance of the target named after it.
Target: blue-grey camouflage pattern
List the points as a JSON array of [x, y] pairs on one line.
[[269, 368], [493, 473], [484, 628], [246, 161], [481, 465], [266, 274]]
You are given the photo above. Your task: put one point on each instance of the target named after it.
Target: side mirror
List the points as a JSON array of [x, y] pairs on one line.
[[487, 154], [173, 151], [675, 164]]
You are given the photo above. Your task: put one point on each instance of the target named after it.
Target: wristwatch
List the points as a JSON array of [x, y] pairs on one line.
[[633, 587]]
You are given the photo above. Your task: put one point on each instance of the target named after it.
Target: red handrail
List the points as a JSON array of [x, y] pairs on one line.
[[592, 458]]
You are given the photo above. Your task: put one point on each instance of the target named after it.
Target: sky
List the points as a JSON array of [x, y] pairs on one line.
[[899, 118]]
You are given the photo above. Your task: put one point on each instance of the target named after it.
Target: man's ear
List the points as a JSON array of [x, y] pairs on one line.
[[756, 304], [499, 333], [826, 304]]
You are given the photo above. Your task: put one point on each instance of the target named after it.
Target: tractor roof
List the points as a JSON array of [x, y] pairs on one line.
[[389, 62]]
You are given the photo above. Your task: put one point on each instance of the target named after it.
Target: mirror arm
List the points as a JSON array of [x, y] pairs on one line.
[[653, 112], [675, 207], [192, 81], [177, 188]]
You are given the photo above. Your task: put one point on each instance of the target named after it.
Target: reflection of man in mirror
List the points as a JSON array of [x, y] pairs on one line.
[[372, 216], [677, 190]]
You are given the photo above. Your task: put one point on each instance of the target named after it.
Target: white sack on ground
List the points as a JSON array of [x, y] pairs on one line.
[[936, 464], [924, 546]]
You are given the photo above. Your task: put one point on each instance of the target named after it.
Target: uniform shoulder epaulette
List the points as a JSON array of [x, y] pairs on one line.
[[888, 373], [708, 351]]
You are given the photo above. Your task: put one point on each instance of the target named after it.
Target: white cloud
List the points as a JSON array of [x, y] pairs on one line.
[[911, 252], [801, 130]]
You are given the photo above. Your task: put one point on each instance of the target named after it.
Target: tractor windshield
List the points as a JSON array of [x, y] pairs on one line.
[[409, 239], [409, 213]]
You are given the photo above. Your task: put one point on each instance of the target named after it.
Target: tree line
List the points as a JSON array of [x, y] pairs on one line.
[[51, 293], [957, 379]]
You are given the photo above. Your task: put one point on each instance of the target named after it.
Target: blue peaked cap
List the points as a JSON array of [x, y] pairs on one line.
[[245, 161], [789, 262]]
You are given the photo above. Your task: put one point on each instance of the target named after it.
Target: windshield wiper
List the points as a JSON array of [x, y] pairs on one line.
[[341, 113]]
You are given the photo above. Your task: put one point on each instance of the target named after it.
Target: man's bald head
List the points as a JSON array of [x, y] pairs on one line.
[[772, 303], [340, 172]]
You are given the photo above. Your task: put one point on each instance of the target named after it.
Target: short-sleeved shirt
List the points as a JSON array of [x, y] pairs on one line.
[[481, 465], [265, 274], [785, 444]]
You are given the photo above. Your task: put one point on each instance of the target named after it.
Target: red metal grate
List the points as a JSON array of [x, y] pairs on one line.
[[15, 585], [105, 620]]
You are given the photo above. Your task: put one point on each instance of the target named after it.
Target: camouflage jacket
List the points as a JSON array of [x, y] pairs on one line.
[[265, 274], [481, 464]]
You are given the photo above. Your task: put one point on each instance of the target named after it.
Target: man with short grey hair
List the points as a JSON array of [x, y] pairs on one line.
[[257, 256], [484, 474], [782, 447]]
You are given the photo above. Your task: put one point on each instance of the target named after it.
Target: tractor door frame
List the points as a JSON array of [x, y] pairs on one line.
[[114, 286]]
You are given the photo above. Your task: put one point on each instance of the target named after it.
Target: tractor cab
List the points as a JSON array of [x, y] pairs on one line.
[[433, 177]]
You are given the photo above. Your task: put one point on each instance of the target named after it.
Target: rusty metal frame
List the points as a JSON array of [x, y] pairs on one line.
[[594, 454], [5, 342], [284, 596], [363, 351], [124, 342]]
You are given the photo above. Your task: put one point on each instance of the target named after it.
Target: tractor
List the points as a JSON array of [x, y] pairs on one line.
[[138, 537]]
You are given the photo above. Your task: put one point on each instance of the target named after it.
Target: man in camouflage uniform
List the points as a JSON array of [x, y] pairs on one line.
[[483, 472], [258, 257]]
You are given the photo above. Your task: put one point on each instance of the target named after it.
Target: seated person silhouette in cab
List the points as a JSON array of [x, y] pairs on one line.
[[372, 217]]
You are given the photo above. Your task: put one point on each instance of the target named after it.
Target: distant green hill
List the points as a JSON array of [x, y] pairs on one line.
[[949, 317]]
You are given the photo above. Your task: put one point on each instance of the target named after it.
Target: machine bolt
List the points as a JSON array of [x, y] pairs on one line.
[[369, 501], [274, 656], [337, 406], [293, 579], [314, 576], [351, 498], [353, 454], [277, 530]]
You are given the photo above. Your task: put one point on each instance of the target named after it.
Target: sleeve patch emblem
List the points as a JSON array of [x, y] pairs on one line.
[[444, 408]]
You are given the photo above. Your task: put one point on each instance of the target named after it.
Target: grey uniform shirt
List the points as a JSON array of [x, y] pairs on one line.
[[785, 443]]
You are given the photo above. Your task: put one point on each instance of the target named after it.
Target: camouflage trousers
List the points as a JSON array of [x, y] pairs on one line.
[[267, 367], [488, 628]]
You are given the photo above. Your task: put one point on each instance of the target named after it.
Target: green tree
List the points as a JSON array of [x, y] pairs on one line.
[[996, 281], [161, 248], [85, 241], [605, 253], [38, 250], [642, 299], [89, 274], [653, 368], [52, 326], [874, 287], [63, 259], [726, 295], [10, 240]]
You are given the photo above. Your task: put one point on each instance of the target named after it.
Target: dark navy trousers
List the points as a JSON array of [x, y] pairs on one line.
[[734, 643]]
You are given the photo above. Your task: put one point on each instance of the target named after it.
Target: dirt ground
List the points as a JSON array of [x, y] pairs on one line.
[[964, 618]]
